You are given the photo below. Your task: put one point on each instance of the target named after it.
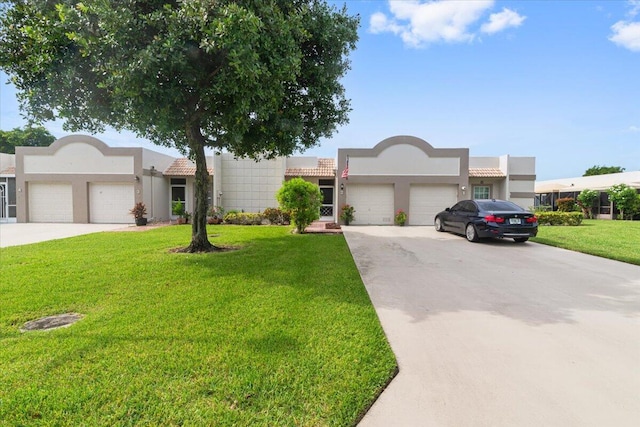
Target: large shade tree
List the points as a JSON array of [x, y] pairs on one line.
[[255, 78]]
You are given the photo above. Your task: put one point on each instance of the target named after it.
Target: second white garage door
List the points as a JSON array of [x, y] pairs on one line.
[[50, 202], [427, 200], [110, 203], [373, 203]]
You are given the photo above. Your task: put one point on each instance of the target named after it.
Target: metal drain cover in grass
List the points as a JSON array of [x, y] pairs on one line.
[[51, 322]]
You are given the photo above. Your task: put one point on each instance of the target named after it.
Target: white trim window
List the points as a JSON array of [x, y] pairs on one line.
[[481, 192]]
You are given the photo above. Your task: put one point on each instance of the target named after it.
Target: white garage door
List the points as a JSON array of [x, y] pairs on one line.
[[427, 200], [110, 203], [50, 202], [373, 203]]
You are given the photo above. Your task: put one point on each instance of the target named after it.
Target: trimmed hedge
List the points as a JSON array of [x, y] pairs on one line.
[[560, 218], [276, 216], [243, 218]]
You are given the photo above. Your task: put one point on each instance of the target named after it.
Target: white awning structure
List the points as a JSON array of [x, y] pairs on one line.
[[596, 182]]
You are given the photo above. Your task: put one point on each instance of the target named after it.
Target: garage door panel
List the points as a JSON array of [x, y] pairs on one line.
[[427, 200], [50, 202], [373, 203], [110, 203]]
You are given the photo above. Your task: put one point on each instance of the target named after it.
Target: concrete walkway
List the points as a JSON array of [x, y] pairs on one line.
[[501, 334], [14, 234]]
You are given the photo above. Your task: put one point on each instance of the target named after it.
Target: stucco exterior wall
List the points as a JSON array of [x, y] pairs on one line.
[[77, 160], [156, 194], [247, 185], [403, 161], [484, 162], [301, 162], [156, 188]]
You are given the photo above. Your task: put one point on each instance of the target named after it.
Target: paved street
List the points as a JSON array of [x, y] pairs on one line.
[[501, 334]]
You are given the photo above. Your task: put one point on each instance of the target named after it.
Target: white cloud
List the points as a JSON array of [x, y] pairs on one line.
[[626, 34], [635, 7], [419, 23], [634, 129], [501, 21]]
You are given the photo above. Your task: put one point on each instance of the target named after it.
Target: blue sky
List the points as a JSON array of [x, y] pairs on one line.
[[557, 80]]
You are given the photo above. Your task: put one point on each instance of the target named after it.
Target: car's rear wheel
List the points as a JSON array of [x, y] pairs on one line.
[[520, 239], [471, 233], [438, 224]]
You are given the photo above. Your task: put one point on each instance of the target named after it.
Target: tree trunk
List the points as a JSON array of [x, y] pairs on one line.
[[199, 240]]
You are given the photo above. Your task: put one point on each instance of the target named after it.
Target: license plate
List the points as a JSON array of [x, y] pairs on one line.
[[515, 221]]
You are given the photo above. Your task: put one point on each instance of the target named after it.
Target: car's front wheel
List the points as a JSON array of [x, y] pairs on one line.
[[471, 233], [438, 224]]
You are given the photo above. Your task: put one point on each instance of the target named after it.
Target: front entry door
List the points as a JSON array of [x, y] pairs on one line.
[[326, 210]]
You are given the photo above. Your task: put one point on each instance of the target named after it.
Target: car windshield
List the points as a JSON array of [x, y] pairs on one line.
[[498, 205]]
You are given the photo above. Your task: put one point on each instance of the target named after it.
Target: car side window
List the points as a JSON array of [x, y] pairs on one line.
[[469, 207], [457, 207]]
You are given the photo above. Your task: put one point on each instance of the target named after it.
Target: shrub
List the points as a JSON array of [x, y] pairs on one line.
[[347, 214], [560, 218], [302, 200], [400, 218], [243, 218], [177, 207], [139, 210], [566, 204], [276, 217]]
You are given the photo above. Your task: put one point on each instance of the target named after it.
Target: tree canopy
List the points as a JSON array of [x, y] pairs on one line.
[[30, 136], [602, 170], [256, 78]]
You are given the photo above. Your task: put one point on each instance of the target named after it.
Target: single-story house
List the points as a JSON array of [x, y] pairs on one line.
[[80, 179], [548, 192], [405, 172]]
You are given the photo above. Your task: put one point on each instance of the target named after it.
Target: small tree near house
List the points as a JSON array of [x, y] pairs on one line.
[[625, 198], [586, 199], [302, 199]]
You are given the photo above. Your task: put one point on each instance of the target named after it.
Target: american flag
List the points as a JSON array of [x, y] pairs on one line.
[[345, 172]]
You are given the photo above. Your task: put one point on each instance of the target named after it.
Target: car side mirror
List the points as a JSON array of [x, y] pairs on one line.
[[447, 210]]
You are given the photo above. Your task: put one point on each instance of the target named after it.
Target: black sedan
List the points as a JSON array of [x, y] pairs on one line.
[[478, 219]]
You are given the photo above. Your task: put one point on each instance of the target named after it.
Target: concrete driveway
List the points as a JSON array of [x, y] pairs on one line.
[[14, 234], [501, 334]]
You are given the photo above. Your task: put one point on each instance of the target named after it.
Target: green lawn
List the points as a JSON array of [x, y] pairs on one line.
[[619, 240], [281, 332]]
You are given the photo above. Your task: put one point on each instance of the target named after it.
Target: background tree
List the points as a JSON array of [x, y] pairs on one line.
[[602, 170], [302, 200], [625, 198], [586, 199], [31, 136], [255, 78]]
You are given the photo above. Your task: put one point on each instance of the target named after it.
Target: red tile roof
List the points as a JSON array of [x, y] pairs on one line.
[[325, 168], [183, 167], [486, 173]]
